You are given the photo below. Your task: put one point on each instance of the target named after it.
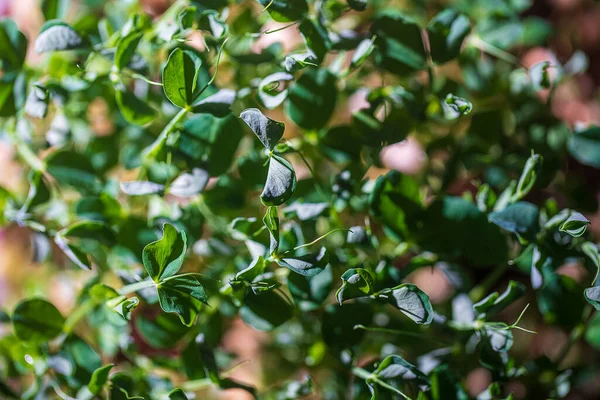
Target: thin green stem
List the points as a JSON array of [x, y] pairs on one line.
[[400, 332], [493, 50], [80, 311], [315, 241], [368, 376], [134, 287], [151, 152]]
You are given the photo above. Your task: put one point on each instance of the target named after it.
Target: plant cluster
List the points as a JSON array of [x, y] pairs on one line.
[[196, 208]]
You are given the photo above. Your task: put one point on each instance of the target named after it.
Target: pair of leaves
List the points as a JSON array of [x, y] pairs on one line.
[[281, 178], [162, 259]]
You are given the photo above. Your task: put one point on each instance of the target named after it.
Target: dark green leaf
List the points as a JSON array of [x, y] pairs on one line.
[[316, 37], [177, 394], [495, 302], [13, 45], [312, 99], [394, 367], [356, 282], [584, 146], [266, 311], [308, 265], [268, 131], [217, 104], [520, 218], [181, 294], [409, 299], [285, 10], [309, 292], [36, 321], [73, 169], [399, 45], [281, 182], [447, 31], [93, 230]]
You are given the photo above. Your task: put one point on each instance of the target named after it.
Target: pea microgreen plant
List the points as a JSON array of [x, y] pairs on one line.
[[238, 181]]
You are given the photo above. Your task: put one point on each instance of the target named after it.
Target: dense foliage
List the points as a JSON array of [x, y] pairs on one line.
[[195, 208]]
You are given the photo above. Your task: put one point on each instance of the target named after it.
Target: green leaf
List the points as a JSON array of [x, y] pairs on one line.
[[357, 5], [528, 176], [409, 299], [13, 45], [395, 201], [188, 185], [177, 394], [57, 36], [309, 292], [456, 227], [584, 146], [500, 338], [217, 104], [39, 193], [181, 294], [399, 44], [356, 282], [312, 99], [268, 94], [37, 321], [141, 188], [126, 49], [133, 109], [281, 182], [180, 77], [520, 218], [285, 10], [494, 303], [308, 265], [266, 311], [394, 367], [362, 53], [93, 230], [210, 143], [125, 308], [99, 379], [36, 105], [592, 295], [575, 225], [53, 9], [73, 169], [447, 31], [316, 37], [74, 253], [271, 221], [164, 257], [268, 131], [305, 211], [456, 107]]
